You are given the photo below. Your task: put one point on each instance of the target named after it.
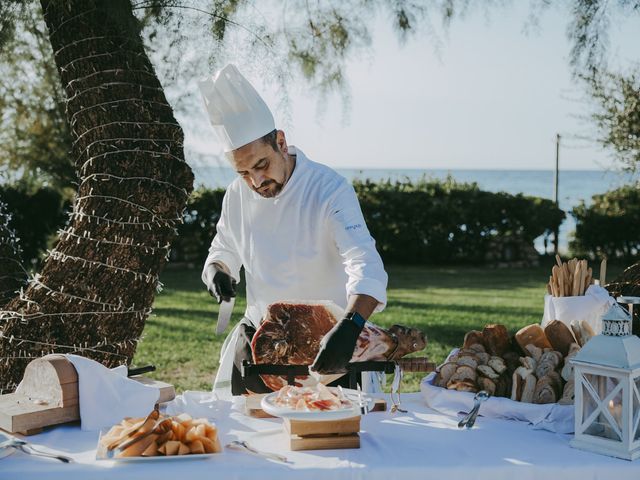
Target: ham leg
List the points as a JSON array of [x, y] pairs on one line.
[[290, 334]]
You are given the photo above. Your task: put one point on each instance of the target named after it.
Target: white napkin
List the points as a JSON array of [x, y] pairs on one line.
[[551, 416], [108, 395], [590, 307], [195, 403]]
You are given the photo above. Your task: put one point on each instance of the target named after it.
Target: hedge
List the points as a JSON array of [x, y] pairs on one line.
[[609, 226], [427, 221], [36, 215]]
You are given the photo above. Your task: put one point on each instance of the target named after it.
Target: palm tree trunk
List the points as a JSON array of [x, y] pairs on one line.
[[96, 287]]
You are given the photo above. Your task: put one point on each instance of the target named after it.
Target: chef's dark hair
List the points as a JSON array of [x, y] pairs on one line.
[[271, 139]]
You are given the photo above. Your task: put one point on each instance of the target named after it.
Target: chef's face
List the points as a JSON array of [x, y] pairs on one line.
[[264, 164]]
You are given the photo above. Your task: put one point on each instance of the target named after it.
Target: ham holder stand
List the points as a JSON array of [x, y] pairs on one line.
[[409, 364]]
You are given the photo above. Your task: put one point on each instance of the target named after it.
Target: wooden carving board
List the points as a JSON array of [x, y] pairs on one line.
[[332, 434], [48, 395]]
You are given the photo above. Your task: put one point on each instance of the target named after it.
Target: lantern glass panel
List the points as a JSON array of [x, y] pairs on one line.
[[636, 409], [593, 394]]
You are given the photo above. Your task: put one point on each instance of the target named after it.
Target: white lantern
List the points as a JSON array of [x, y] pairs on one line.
[[607, 389]]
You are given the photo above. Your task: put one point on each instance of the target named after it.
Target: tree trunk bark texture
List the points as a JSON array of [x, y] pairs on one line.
[[96, 287]]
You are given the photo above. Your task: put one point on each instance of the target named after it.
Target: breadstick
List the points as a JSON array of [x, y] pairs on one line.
[[583, 276], [576, 279], [589, 279], [560, 282], [559, 261], [568, 280], [603, 272]]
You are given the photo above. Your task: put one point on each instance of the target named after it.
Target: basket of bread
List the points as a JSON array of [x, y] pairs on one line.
[[573, 294], [158, 436], [527, 375]]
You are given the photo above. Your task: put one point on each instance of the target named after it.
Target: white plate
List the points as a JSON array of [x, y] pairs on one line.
[[191, 456], [101, 454], [268, 405]]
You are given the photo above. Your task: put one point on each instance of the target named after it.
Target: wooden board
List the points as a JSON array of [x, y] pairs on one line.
[[18, 413], [329, 435], [330, 427], [167, 391], [48, 395], [297, 443], [253, 408]]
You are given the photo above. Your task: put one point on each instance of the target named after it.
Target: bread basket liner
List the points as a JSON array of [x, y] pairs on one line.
[[551, 416]]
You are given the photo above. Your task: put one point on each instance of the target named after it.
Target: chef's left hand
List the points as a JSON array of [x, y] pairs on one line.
[[336, 348]]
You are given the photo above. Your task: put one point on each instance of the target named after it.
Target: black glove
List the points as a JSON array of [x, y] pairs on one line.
[[220, 284], [336, 348]]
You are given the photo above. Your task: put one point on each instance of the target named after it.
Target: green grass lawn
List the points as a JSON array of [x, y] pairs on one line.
[[445, 302]]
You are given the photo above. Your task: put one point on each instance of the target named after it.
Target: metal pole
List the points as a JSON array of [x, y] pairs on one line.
[[555, 192]]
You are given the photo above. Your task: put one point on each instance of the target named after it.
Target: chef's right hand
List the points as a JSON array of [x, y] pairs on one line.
[[219, 283]]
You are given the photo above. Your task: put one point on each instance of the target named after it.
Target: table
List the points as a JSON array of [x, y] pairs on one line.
[[421, 444]]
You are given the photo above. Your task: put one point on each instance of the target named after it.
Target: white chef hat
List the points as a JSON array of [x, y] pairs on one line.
[[236, 111]]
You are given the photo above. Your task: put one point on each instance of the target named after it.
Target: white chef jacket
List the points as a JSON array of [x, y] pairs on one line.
[[310, 242]]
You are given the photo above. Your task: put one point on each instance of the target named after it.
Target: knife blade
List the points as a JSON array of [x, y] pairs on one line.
[[224, 315]]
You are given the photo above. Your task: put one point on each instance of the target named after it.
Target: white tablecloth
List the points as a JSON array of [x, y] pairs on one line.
[[421, 444]]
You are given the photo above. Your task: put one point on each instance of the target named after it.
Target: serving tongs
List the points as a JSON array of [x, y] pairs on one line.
[[29, 449], [244, 446], [153, 424], [470, 419]]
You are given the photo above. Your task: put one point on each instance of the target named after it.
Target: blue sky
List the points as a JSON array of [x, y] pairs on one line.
[[491, 97]]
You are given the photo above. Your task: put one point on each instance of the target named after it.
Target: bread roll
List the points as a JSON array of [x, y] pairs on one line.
[[586, 331], [497, 364], [575, 329], [463, 373], [482, 358], [473, 337], [559, 336], [444, 374], [548, 363], [487, 385], [532, 335], [545, 391], [517, 386], [468, 361], [496, 339], [478, 348], [528, 389], [534, 352], [488, 372], [529, 363], [463, 386], [568, 394], [512, 359]]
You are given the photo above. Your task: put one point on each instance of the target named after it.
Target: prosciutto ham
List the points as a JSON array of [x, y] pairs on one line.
[[290, 334], [311, 398]]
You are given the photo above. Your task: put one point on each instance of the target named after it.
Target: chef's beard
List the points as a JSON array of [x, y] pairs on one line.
[[274, 189]]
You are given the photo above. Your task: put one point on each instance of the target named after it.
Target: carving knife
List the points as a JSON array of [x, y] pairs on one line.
[[224, 315]]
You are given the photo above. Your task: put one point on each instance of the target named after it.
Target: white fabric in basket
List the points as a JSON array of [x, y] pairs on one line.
[[552, 417], [590, 307]]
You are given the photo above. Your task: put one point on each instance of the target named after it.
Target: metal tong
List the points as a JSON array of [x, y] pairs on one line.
[[29, 449], [470, 418], [243, 445]]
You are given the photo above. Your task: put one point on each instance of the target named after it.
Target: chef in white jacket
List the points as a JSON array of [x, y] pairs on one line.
[[294, 225]]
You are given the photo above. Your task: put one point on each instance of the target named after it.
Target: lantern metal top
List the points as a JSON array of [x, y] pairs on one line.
[[615, 347]]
